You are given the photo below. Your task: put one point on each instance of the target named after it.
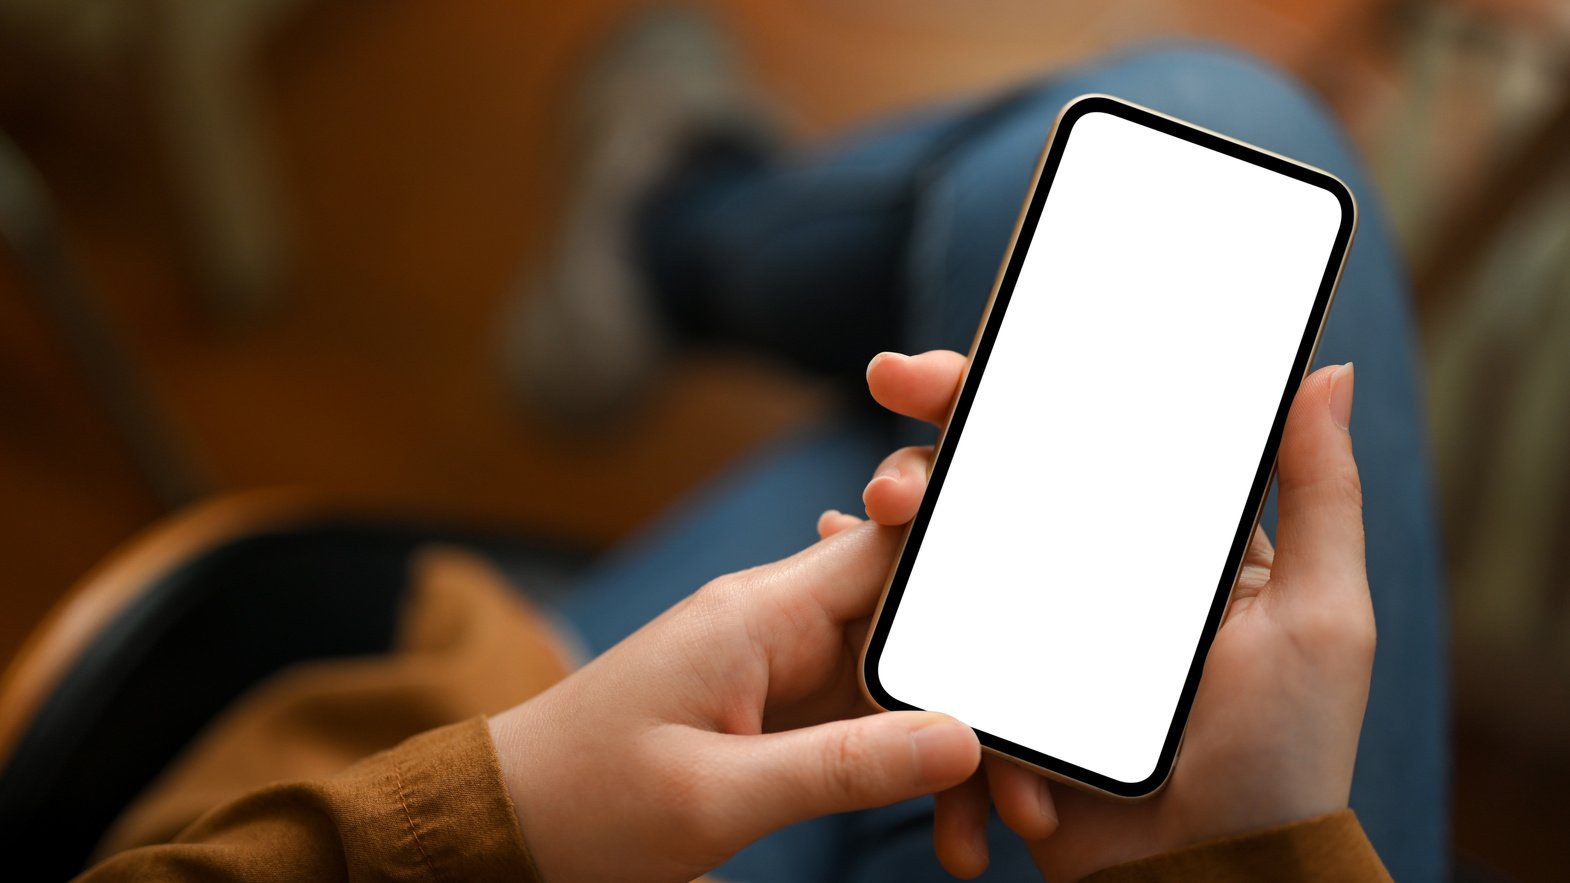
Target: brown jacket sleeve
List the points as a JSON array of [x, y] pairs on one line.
[[435, 808], [1329, 848], [353, 768], [431, 809]]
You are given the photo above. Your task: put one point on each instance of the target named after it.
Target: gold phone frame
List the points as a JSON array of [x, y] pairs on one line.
[[1035, 198]]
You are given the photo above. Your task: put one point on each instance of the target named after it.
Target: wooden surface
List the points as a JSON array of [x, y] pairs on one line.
[[420, 151]]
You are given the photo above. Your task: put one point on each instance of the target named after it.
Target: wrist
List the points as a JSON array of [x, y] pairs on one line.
[[519, 745], [504, 735]]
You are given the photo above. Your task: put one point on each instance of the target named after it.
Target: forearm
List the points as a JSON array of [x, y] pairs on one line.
[[433, 808]]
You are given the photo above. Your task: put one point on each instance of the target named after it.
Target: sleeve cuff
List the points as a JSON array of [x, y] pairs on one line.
[[1331, 847], [456, 813]]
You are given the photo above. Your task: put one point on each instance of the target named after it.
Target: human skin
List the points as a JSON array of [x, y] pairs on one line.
[[733, 714], [1273, 733], [737, 712]]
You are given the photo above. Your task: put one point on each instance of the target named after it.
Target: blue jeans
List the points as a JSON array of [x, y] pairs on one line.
[[891, 241]]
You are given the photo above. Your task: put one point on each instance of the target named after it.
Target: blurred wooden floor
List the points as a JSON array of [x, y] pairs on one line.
[[420, 152]]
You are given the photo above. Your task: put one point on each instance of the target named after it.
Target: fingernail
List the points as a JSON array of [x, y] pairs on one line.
[[868, 489], [829, 512], [874, 362], [876, 358], [1341, 396], [888, 470], [937, 741]]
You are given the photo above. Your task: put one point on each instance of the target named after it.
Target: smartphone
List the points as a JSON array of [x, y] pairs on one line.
[[1112, 444]]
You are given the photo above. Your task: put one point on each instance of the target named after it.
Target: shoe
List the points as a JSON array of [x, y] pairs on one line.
[[585, 341]]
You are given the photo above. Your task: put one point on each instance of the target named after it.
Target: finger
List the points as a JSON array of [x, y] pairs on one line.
[[959, 828], [1255, 573], [837, 767], [1319, 553], [843, 574], [1023, 799], [832, 521], [895, 490], [1260, 549], [921, 386]]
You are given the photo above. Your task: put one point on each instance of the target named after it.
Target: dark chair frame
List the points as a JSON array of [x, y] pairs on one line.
[[174, 627]]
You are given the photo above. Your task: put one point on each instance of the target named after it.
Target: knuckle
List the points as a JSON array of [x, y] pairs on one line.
[[1349, 486], [1342, 487], [718, 590], [1340, 630], [711, 611], [845, 761], [1322, 626], [1363, 636], [723, 593]]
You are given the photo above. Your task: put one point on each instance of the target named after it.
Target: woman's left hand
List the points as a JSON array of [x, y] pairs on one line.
[[1272, 737]]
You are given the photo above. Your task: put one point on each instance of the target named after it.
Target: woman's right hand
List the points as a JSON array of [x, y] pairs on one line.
[[1273, 733]]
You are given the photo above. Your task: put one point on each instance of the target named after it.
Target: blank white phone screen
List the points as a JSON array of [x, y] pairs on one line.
[[1063, 582]]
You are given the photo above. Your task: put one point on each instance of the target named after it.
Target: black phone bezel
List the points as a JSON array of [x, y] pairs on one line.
[[1058, 140]]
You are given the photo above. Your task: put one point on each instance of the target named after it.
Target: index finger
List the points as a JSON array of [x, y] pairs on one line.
[[843, 574], [921, 386]]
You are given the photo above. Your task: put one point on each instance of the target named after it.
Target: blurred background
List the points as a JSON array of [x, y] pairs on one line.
[[262, 243]]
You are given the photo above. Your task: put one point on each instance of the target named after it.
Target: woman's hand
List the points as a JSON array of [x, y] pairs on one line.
[[735, 713], [1273, 732]]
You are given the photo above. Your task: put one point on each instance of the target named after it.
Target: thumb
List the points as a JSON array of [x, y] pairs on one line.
[[1319, 548], [779, 779]]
